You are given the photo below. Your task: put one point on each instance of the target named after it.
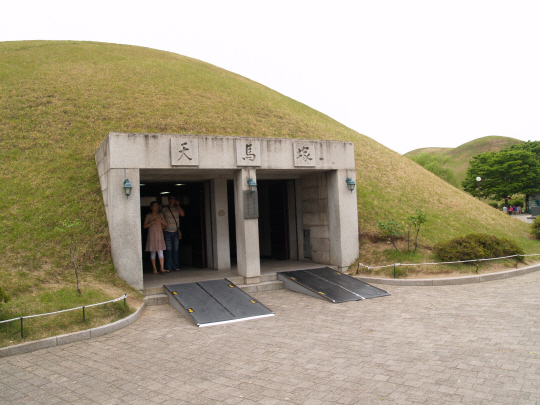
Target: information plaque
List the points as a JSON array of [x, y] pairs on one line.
[[251, 205]]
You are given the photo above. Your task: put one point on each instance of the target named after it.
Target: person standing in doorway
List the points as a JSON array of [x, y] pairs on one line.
[[172, 214], [155, 243]]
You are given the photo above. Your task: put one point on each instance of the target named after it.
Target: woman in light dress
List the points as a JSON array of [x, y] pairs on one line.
[[155, 242]]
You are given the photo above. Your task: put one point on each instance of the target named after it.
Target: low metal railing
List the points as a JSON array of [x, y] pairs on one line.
[[477, 261], [123, 297]]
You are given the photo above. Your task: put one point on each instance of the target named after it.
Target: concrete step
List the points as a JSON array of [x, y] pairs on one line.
[[268, 277], [153, 291], [156, 299], [265, 286], [236, 280], [265, 283]]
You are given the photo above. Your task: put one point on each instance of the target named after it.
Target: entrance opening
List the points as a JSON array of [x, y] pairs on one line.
[[192, 247], [273, 219], [274, 240]]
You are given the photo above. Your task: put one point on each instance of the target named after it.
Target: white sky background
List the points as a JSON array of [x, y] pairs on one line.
[[409, 74]]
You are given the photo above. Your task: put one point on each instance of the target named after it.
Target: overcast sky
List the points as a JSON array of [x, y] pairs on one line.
[[409, 74]]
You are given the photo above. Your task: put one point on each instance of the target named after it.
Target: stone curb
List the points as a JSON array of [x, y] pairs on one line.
[[71, 337], [452, 280]]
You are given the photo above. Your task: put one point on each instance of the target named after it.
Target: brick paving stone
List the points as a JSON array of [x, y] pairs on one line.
[[469, 344]]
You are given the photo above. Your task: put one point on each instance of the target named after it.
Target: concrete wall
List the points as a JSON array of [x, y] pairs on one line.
[[314, 208], [342, 218], [154, 151]]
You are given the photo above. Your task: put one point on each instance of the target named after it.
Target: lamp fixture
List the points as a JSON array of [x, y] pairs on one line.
[[252, 185], [350, 184], [165, 192], [127, 188]]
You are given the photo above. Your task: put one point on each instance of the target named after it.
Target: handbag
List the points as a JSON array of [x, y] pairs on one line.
[[177, 227]]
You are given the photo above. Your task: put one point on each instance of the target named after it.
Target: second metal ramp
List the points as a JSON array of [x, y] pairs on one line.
[[214, 302], [329, 284]]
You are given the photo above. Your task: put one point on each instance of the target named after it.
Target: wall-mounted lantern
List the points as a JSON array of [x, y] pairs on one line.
[[350, 184], [127, 188], [252, 185]]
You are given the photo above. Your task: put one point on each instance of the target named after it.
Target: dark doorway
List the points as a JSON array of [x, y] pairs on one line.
[[273, 219], [192, 247], [232, 221], [196, 219]]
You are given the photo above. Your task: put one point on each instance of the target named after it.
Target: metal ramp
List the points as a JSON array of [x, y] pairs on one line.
[[214, 302], [329, 284]]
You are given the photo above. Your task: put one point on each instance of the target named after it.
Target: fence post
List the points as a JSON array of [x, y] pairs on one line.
[[125, 297], [83, 316], [477, 266], [394, 270], [22, 333], [517, 261]]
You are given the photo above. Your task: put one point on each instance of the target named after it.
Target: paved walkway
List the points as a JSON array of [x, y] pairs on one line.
[[469, 344], [524, 218]]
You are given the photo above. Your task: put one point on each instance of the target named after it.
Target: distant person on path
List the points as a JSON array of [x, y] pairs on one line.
[[155, 242], [519, 209], [172, 215], [505, 209], [510, 210]]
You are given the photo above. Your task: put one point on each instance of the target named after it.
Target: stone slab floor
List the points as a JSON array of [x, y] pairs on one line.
[[471, 344]]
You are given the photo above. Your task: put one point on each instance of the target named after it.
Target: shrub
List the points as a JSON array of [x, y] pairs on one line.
[[536, 228], [391, 229], [516, 202], [476, 246], [494, 205]]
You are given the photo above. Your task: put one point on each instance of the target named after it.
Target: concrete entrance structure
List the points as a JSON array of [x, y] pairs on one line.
[[318, 210]]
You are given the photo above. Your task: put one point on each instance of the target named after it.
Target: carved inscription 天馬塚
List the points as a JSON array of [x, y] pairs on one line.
[[248, 152], [184, 151], [304, 154]]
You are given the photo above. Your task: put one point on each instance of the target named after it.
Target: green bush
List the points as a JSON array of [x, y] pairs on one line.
[[536, 228], [494, 205], [391, 229], [516, 202], [476, 246]]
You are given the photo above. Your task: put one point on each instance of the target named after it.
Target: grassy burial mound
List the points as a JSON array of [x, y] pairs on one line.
[[61, 98], [458, 158]]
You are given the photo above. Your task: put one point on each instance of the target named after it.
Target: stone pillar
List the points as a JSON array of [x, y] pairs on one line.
[[124, 217], [220, 224], [342, 219], [247, 230]]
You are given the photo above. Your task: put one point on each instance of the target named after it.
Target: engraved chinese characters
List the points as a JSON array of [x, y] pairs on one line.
[[304, 154], [248, 152], [184, 152]]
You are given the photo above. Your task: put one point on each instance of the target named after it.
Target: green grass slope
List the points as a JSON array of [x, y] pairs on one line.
[[60, 99], [460, 156]]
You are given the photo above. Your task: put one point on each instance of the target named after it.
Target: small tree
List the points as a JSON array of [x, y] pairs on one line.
[[415, 221], [69, 227], [391, 229]]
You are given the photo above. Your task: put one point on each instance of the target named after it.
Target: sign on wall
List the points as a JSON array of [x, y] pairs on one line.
[[304, 154], [248, 152], [184, 151], [251, 205]]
